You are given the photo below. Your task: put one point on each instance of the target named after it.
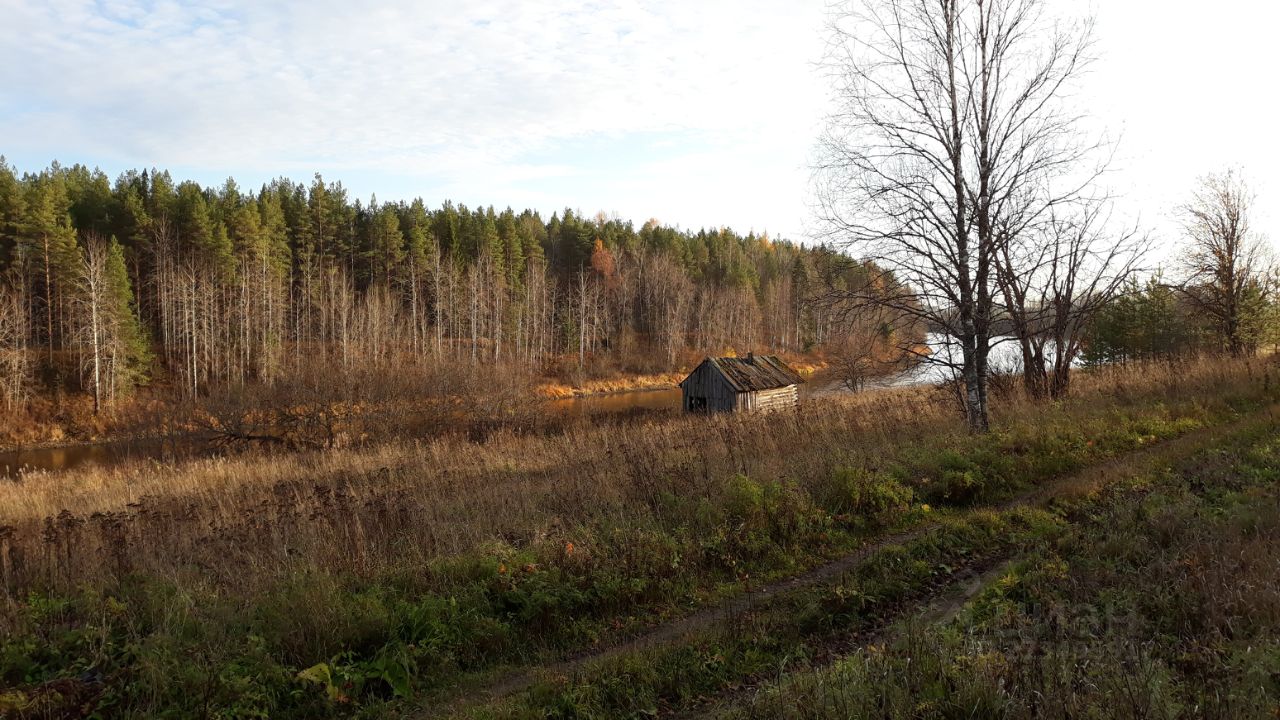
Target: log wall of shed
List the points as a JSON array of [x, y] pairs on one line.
[[769, 399]]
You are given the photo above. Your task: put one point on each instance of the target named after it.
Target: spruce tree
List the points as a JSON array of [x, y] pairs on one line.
[[135, 357]]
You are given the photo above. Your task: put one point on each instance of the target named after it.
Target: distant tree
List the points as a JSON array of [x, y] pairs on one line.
[[668, 297], [12, 214], [603, 264], [1143, 321], [275, 287], [1270, 319], [867, 344], [1055, 277], [202, 240], [48, 238], [15, 362], [386, 245], [1227, 273]]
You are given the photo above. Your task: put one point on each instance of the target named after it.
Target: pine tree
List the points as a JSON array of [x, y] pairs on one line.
[[13, 209], [275, 230], [386, 245], [89, 192], [49, 239]]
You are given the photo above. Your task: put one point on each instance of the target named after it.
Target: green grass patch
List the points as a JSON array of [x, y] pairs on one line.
[[1158, 600]]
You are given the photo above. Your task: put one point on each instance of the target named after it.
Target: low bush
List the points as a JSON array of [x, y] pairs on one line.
[[861, 494]]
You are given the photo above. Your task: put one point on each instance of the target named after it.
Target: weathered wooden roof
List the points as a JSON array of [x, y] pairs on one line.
[[754, 372]]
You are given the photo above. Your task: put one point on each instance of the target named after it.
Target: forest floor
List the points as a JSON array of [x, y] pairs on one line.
[[672, 565]]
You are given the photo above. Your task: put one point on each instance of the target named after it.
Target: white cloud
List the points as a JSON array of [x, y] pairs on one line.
[[449, 90], [507, 101], [1189, 88]]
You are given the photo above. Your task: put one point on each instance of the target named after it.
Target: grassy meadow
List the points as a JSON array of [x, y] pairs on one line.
[[1158, 598], [416, 579]]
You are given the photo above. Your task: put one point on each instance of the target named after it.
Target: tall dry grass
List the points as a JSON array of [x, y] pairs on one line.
[[319, 401], [243, 522]]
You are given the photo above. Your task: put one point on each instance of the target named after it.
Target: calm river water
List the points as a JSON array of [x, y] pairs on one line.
[[109, 453]]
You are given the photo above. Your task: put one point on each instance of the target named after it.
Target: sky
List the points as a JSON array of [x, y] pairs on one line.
[[700, 113]]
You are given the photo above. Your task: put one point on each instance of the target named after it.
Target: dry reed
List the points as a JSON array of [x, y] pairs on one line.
[[244, 521]]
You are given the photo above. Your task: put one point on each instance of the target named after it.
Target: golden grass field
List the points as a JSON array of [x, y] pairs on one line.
[[257, 514]]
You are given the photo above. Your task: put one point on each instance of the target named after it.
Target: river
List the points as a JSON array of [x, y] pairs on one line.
[[1004, 358], [12, 462], [621, 402]]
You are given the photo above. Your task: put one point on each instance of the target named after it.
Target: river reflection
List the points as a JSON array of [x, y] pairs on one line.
[[13, 462]]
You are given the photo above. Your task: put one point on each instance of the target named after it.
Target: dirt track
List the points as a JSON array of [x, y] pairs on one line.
[[938, 604]]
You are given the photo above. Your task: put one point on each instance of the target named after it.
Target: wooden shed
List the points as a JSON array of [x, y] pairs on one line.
[[730, 384]]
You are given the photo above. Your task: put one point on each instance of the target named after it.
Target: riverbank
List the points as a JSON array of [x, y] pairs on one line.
[[488, 395], [807, 366], [48, 423], [346, 582], [557, 415], [558, 390], [72, 434]]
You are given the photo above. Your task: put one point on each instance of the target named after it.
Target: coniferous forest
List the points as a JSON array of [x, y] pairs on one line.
[[148, 280]]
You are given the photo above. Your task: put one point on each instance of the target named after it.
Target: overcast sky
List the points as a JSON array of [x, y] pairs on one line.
[[696, 112]]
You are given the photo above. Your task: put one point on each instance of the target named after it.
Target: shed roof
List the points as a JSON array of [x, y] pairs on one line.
[[755, 372]]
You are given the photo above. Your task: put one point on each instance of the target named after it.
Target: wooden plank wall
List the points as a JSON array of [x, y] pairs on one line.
[[707, 382]]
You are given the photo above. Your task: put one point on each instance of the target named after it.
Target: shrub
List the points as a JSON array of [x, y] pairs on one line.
[[744, 499], [857, 492]]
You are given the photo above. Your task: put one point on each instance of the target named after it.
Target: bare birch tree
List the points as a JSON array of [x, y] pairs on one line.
[[668, 297], [1054, 279], [947, 135], [95, 319], [109, 339], [15, 362]]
